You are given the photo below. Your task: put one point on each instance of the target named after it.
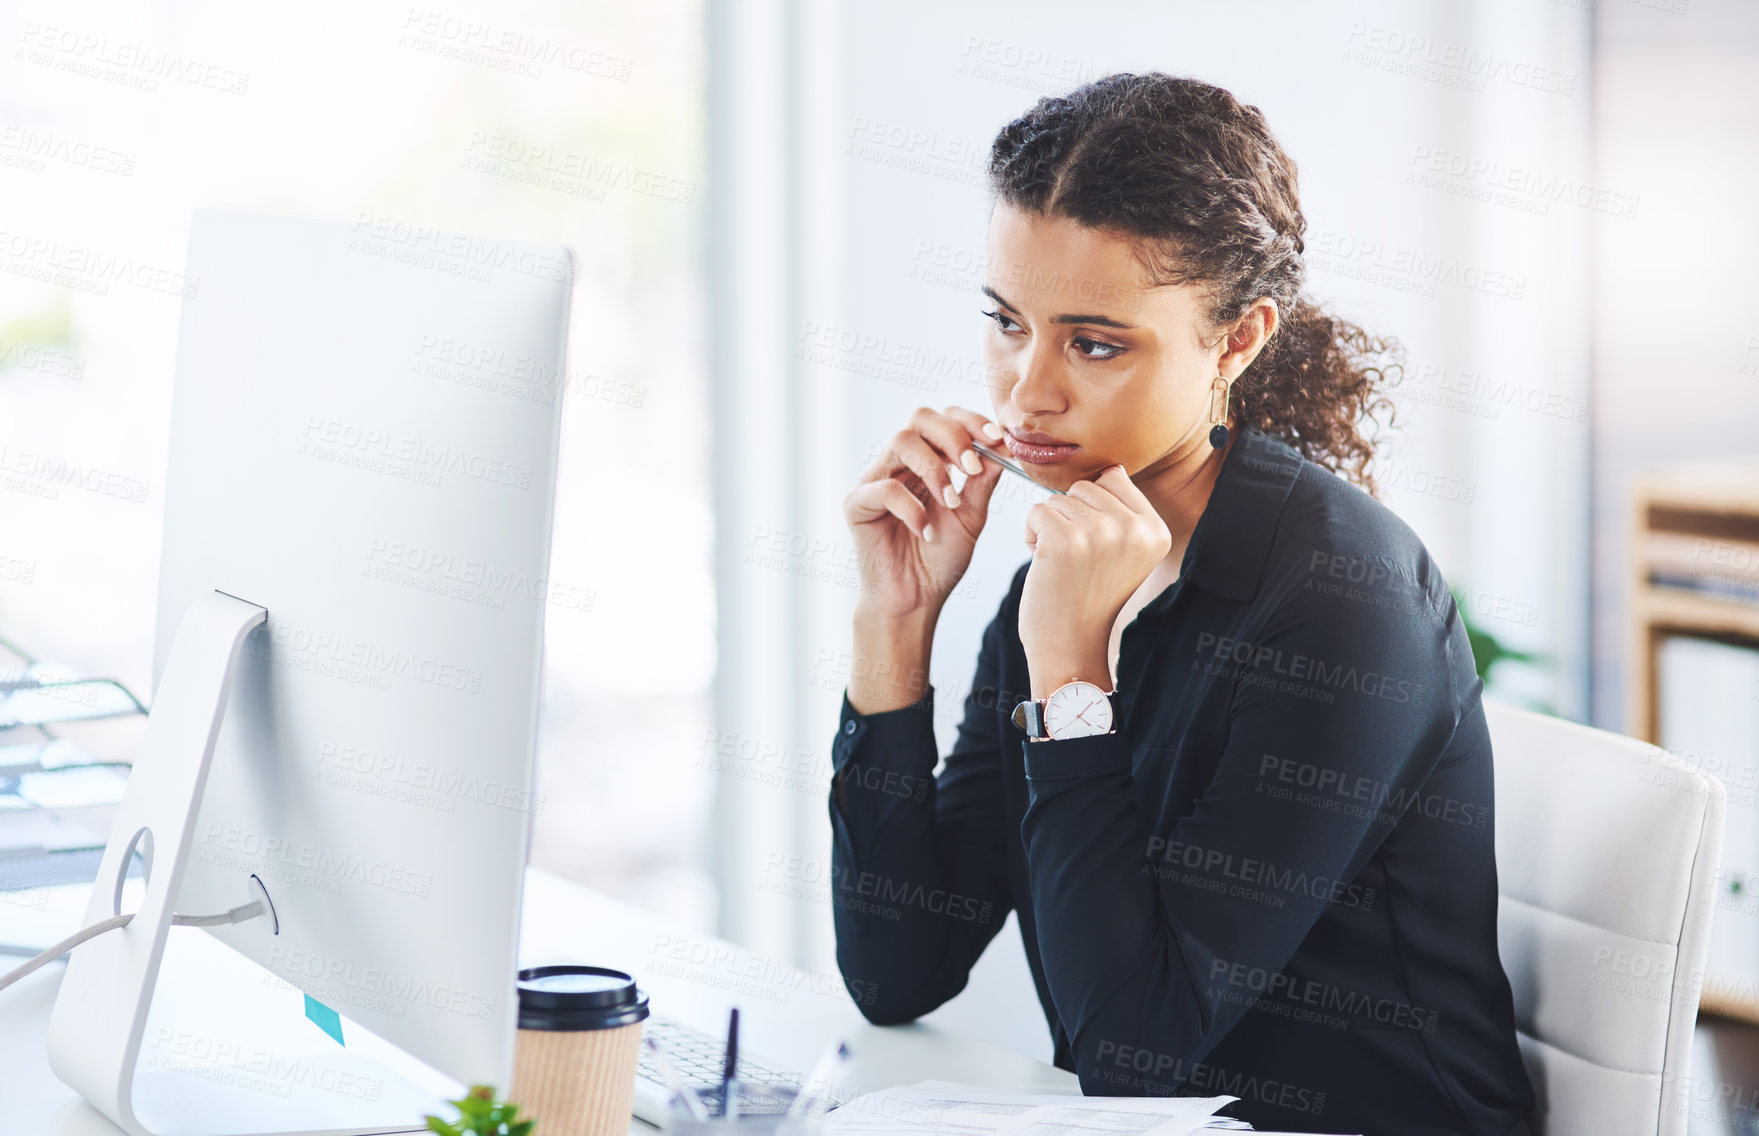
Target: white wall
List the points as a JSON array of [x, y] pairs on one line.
[[1675, 334], [1675, 343], [118, 118]]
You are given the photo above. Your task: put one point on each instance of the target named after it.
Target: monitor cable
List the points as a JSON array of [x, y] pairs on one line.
[[243, 912]]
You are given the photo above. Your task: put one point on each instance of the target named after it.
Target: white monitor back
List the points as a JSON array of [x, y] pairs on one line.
[[363, 442]]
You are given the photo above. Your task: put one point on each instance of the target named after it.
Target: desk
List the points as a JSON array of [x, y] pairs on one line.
[[784, 1012]]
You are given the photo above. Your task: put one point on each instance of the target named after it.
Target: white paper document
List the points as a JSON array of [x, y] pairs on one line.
[[950, 1109]]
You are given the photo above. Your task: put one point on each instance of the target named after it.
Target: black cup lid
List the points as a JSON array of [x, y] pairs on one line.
[[574, 997]]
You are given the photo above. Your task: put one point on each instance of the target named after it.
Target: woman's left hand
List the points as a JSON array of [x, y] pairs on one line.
[[1091, 549]]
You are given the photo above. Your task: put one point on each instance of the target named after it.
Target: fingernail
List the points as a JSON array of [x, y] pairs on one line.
[[928, 533], [971, 462], [992, 431], [951, 497]]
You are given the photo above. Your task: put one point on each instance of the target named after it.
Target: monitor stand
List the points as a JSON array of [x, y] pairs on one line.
[[100, 1016]]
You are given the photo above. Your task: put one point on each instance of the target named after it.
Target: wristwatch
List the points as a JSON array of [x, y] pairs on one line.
[[1076, 709]]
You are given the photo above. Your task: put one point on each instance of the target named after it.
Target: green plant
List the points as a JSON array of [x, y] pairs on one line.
[[1488, 651], [480, 1115]]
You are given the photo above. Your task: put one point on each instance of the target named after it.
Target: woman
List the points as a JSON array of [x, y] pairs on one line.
[[1224, 752]]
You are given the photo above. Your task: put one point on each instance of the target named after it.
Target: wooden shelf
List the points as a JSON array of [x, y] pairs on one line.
[[1728, 487], [1679, 609], [1716, 502], [1712, 506], [1729, 1006]]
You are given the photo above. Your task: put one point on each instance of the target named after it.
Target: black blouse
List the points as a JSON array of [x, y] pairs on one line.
[[1275, 879]]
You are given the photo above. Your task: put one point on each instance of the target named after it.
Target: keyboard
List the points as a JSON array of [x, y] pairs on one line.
[[764, 1087]]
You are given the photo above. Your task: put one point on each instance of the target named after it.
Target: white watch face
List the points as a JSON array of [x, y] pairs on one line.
[[1077, 710]]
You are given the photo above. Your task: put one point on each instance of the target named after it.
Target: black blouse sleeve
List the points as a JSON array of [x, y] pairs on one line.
[[918, 864], [1140, 958]]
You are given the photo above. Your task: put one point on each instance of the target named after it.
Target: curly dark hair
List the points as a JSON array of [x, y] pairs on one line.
[[1198, 176]]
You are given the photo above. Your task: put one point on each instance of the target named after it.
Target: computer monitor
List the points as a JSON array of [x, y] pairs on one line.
[[363, 444]]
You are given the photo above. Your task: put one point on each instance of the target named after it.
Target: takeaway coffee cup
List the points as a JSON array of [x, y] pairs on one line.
[[579, 1041]]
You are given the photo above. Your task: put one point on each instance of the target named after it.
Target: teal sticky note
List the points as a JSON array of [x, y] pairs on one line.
[[324, 1018]]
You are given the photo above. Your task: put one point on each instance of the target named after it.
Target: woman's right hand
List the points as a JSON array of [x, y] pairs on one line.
[[913, 546]]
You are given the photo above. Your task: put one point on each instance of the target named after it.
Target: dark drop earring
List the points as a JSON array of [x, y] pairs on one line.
[[1218, 412]]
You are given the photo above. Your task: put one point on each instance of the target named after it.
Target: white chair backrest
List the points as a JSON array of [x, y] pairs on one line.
[[1606, 853]]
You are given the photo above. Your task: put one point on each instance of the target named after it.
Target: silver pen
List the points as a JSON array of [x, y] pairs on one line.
[[674, 1081], [1009, 465], [815, 1092]]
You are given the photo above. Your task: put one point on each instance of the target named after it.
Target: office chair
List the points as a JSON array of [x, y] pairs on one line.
[[1606, 853]]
